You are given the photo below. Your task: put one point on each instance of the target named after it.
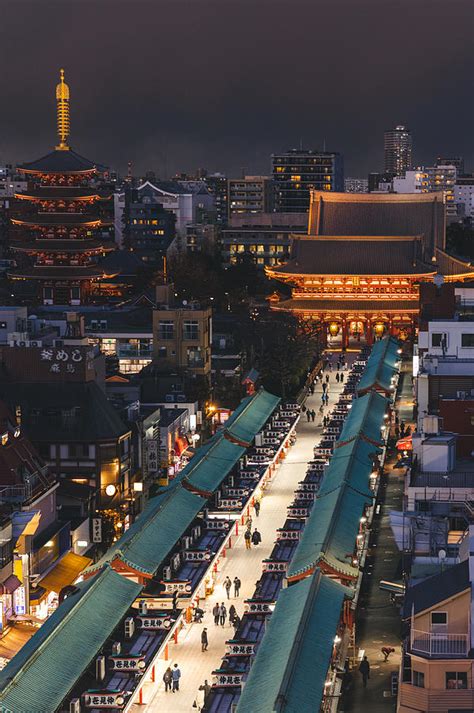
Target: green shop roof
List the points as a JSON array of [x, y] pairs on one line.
[[47, 667], [365, 418], [350, 464], [381, 366], [152, 536], [250, 417], [212, 463], [291, 665], [330, 533]]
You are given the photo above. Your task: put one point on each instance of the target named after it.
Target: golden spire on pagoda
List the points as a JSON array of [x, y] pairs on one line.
[[62, 110]]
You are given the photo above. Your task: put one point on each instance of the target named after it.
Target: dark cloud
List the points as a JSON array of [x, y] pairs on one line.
[[176, 84]]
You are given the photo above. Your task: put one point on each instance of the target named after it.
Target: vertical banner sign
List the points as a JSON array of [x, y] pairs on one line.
[[152, 455], [96, 529]]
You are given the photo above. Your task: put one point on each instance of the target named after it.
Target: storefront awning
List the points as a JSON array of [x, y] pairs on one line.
[[10, 584], [65, 572], [25, 523]]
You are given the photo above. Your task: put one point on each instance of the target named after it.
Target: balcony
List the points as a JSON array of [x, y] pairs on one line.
[[128, 352], [439, 644]]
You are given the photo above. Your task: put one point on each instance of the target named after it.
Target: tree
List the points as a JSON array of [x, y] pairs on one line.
[[460, 239]]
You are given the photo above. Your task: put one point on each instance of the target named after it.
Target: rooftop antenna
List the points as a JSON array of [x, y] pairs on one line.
[[62, 112]]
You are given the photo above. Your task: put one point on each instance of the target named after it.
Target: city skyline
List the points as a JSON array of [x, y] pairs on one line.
[[164, 99]]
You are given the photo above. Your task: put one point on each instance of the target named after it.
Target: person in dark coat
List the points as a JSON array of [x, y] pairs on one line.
[[222, 614], [216, 613], [308, 415], [236, 622], [248, 540], [237, 585], [232, 614], [256, 537], [167, 678], [204, 640], [256, 507], [341, 377], [364, 670], [337, 377], [175, 676]]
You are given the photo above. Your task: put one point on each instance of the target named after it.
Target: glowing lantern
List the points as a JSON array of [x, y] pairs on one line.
[[334, 329]]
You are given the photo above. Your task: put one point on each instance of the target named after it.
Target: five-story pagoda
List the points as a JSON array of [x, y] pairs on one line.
[[57, 220]]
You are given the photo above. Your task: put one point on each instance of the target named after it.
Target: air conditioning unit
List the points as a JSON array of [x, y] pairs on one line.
[[169, 398], [129, 627], [143, 607], [196, 532], [100, 668], [175, 562], [186, 542], [75, 705], [116, 648], [258, 439], [166, 572]]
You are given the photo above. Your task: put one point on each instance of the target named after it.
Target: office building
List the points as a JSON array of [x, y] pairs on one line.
[[297, 172], [443, 177], [356, 185], [149, 227], [249, 195], [464, 196], [266, 237], [397, 150]]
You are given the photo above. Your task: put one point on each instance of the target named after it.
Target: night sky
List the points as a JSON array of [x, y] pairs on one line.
[[176, 84]]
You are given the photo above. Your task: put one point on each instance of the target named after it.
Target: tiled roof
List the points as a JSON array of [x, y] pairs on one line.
[[250, 416], [68, 246], [341, 305], [354, 256], [61, 162], [365, 419], [381, 365], [155, 532], [122, 262], [49, 272], [212, 463], [433, 590], [46, 668], [292, 661]]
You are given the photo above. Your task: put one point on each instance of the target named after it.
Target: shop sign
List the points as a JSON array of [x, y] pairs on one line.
[[180, 587], [230, 503], [236, 492], [153, 622], [258, 607], [96, 529], [108, 699], [19, 600], [250, 474], [216, 524], [152, 455], [297, 512], [228, 679], [305, 495], [65, 360], [272, 566], [127, 663], [307, 487], [196, 556], [288, 534], [242, 649]]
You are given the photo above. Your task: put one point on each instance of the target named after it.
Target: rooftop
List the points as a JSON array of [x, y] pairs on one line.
[[61, 162]]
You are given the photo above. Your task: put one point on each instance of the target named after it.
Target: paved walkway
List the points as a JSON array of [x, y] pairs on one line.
[[195, 665], [378, 621]]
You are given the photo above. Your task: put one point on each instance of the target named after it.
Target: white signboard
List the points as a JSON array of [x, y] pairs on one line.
[[108, 699], [96, 529], [153, 622], [127, 663], [271, 566], [288, 534], [239, 649]]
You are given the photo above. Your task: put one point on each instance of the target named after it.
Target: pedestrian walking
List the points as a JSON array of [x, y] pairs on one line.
[[237, 585], [308, 415], [364, 670], [216, 614], [167, 678], [327, 378], [330, 366], [204, 640], [311, 389], [325, 386], [338, 364], [321, 410], [203, 693], [236, 622], [341, 377], [256, 507], [222, 614], [256, 537], [326, 398], [232, 614], [313, 415], [175, 675], [387, 650], [337, 376], [248, 540], [303, 408], [248, 522], [227, 586]]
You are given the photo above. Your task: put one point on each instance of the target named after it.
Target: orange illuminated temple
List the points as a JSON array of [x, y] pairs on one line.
[[358, 270]]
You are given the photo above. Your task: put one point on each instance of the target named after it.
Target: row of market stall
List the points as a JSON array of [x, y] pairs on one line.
[[112, 630], [290, 649]]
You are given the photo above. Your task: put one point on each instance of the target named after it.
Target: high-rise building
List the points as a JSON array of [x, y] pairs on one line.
[[443, 178], [297, 172], [457, 161], [356, 185], [464, 196], [249, 195], [59, 220], [217, 185], [397, 150]]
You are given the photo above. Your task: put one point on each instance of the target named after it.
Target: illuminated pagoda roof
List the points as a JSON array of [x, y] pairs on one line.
[[66, 219], [65, 193], [62, 246], [360, 304], [61, 161], [333, 255]]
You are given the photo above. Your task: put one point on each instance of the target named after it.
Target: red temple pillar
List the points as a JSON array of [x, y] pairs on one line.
[[345, 335], [324, 335], [369, 334]]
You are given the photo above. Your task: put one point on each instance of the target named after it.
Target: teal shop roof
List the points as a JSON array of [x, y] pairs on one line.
[[212, 463], [365, 418], [152, 536], [250, 416], [47, 667], [292, 661], [381, 365]]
